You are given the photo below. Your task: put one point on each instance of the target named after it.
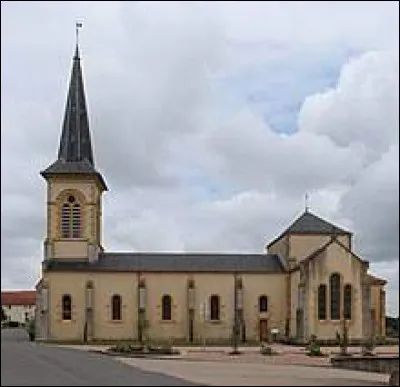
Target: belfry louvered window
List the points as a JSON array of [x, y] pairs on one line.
[[71, 219]]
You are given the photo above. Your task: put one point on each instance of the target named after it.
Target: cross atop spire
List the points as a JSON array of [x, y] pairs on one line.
[[306, 202], [77, 26]]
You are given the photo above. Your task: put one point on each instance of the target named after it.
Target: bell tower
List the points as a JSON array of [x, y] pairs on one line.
[[74, 186]]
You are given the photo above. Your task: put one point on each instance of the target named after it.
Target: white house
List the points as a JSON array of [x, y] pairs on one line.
[[19, 305]]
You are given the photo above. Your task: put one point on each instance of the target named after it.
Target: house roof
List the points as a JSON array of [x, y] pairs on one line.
[[308, 223], [172, 262], [21, 297]]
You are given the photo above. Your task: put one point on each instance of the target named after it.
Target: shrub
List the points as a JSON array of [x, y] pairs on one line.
[[368, 347], [121, 347], [314, 350], [267, 350], [148, 348], [313, 347]]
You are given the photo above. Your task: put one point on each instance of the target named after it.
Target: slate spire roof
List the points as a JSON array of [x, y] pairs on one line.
[[75, 144], [310, 223], [75, 153]]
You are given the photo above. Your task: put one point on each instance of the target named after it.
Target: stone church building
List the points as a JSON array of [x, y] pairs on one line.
[[305, 282]]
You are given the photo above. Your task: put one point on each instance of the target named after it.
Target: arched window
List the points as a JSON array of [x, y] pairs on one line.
[[322, 302], [347, 302], [116, 307], [71, 222], [334, 283], [214, 307], [263, 304], [66, 307], [166, 306]]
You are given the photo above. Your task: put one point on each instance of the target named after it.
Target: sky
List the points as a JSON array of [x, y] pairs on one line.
[[210, 122]]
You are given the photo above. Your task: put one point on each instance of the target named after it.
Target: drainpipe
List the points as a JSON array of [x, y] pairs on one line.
[[235, 319]]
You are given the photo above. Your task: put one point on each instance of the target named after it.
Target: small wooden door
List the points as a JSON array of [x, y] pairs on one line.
[[263, 330]]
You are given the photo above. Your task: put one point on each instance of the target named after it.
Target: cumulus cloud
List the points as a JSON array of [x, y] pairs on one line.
[[364, 106], [189, 107]]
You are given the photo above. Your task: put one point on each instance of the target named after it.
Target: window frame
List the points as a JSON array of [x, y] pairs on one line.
[[66, 307], [347, 301], [322, 309], [166, 307], [215, 307], [263, 303], [116, 307], [335, 296]]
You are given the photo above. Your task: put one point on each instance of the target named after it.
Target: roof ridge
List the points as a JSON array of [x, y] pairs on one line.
[[180, 253]]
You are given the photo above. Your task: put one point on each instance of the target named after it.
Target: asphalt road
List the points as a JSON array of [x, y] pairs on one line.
[[25, 363]]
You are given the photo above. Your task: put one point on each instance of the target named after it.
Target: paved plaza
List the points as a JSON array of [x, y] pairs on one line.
[[256, 374], [215, 367]]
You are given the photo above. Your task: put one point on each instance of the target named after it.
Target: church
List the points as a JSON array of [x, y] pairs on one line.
[[306, 282]]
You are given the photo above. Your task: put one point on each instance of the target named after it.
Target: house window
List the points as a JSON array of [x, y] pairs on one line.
[[71, 222], [66, 307], [334, 283], [166, 302], [322, 302], [116, 307], [347, 302], [263, 304], [214, 307]]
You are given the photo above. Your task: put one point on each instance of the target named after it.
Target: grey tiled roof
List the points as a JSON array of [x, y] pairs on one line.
[[310, 223], [173, 262], [72, 167]]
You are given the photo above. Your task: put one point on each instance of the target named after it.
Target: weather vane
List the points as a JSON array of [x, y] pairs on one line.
[[77, 26]]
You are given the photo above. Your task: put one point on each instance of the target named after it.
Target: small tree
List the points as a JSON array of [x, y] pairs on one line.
[[369, 343], [343, 339]]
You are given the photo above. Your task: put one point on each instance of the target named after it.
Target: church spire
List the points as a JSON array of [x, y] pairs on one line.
[[75, 155], [75, 143]]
